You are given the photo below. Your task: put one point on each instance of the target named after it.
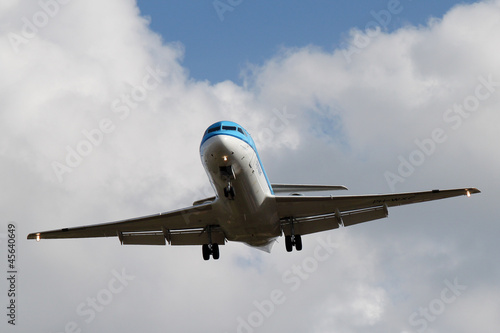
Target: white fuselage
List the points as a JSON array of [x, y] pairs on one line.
[[250, 216]]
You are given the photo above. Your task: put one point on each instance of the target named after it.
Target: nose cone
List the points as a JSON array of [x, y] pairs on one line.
[[219, 158], [218, 147]]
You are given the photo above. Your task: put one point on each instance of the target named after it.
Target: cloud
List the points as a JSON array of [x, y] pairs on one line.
[[91, 90]]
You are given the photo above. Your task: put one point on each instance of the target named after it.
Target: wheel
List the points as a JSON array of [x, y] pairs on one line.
[[206, 251], [229, 192], [298, 242], [288, 243], [215, 251]]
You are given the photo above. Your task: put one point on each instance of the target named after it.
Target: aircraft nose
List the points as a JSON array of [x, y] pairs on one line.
[[219, 147]]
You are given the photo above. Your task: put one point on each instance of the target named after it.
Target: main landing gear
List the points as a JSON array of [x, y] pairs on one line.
[[291, 241], [210, 249]]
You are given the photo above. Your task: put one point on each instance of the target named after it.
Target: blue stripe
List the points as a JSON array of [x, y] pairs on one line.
[[216, 129]]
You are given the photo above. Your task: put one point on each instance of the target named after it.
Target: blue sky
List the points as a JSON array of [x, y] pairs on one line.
[[255, 30]]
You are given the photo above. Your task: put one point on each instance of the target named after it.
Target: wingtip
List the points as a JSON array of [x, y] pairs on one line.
[[471, 190], [34, 236]]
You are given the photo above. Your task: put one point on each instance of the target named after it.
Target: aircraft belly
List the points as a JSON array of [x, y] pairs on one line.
[[251, 216]]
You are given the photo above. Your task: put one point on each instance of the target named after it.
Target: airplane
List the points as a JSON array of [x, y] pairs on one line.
[[246, 207]]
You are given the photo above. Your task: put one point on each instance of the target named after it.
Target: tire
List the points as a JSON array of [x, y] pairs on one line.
[[288, 243], [206, 251], [215, 251], [298, 242]]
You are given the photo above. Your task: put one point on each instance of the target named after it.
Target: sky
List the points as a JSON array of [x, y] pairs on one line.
[[230, 35], [102, 109]]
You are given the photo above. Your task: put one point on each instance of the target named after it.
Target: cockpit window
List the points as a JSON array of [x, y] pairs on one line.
[[241, 131], [213, 129], [229, 128]]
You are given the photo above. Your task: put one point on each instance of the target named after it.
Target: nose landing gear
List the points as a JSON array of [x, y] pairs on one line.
[[229, 191], [227, 174]]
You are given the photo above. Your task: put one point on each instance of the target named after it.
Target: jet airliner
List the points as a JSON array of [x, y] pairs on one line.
[[246, 207]]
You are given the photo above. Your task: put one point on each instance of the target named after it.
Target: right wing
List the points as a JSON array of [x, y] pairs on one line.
[[187, 226], [314, 214]]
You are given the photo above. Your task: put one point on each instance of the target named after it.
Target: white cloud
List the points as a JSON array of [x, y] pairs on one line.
[[349, 122]]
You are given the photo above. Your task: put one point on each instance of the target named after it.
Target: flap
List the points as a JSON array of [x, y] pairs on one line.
[[363, 215], [309, 225], [142, 239], [292, 188], [196, 237]]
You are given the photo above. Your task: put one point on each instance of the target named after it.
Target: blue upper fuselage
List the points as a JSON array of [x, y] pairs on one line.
[[233, 129], [228, 128]]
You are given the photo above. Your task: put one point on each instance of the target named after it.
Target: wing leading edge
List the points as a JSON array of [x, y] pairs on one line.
[[304, 215], [187, 226]]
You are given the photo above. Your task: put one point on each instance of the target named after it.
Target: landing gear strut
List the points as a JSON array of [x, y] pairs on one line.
[[293, 240]]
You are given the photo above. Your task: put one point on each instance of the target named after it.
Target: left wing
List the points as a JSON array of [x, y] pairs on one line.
[[314, 214], [189, 226]]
